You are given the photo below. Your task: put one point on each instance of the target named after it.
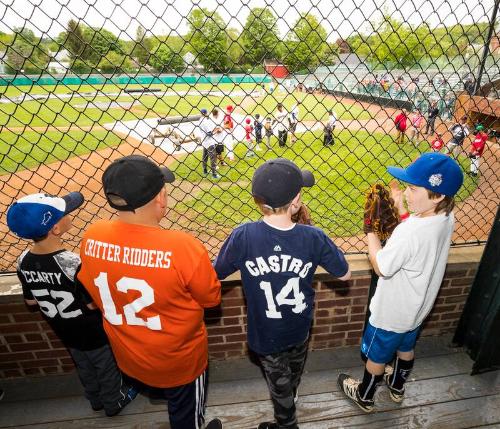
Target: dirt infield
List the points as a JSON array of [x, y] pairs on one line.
[[81, 173], [474, 216]]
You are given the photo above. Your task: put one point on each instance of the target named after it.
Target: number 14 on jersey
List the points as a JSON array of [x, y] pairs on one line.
[[291, 287]]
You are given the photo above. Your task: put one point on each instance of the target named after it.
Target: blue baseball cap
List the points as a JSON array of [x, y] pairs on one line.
[[204, 112], [433, 171], [34, 215]]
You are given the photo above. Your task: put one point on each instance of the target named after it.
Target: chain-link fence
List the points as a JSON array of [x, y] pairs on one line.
[[322, 83]]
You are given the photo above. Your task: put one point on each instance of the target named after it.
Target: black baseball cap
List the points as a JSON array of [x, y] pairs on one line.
[[278, 181], [136, 179]]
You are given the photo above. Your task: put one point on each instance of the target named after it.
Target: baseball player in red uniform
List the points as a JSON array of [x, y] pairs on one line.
[[477, 149]]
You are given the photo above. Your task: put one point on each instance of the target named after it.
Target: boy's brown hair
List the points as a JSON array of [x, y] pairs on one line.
[[38, 239], [267, 210], [446, 205]]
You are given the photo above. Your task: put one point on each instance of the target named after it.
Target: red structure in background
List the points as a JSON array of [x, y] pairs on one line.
[[276, 69]]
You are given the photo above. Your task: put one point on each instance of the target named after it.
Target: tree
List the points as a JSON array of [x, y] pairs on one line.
[[142, 47], [80, 67], [73, 40], [208, 39], [25, 53], [260, 37], [306, 44], [114, 62], [165, 60], [235, 51], [393, 43], [98, 42], [397, 44], [175, 43]]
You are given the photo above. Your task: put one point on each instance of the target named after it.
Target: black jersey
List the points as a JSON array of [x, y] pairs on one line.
[[50, 280]]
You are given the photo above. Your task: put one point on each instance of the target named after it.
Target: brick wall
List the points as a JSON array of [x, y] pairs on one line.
[[28, 347]]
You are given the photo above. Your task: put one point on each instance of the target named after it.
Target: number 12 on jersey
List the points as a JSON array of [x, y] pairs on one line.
[[130, 310], [291, 286]]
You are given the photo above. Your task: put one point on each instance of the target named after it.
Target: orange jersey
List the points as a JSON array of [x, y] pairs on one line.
[[151, 286]]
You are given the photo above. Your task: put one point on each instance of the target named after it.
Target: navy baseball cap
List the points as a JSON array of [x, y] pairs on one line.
[[34, 215], [278, 181], [433, 171], [204, 112], [136, 180]]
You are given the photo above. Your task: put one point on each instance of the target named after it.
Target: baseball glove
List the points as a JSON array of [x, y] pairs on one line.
[[381, 216], [302, 216]]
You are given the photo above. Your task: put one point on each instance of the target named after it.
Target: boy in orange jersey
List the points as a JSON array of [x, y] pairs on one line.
[[152, 286]]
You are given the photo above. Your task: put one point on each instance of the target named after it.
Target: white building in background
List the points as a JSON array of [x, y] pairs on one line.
[[59, 62], [191, 64], [3, 64]]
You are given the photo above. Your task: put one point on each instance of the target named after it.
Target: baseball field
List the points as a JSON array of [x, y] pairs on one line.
[[44, 126]]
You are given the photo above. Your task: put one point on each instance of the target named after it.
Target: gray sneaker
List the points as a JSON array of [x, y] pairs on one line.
[[350, 387], [395, 394]]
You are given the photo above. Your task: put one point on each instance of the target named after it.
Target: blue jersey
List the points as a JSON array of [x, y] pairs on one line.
[[258, 128], [277, 268]]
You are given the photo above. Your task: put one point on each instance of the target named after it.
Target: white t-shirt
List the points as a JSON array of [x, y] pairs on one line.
[[412, 264], [332, 120], [280, 119], [206, 127], [218, 121]]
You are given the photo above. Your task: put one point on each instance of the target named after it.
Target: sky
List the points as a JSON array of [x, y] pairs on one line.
[[340, 18]]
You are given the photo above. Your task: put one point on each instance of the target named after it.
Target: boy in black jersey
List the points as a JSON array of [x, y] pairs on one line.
[[277, 259], [47, 273]]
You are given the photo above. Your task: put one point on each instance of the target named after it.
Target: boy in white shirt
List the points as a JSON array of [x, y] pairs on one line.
[[279, 119], [411, 268], [206, 130], [329, 128]]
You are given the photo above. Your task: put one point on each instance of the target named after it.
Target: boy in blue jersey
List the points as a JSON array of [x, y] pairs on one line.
[[277, 259]]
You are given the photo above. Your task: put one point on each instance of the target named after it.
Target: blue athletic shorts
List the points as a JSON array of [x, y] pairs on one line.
[[380, 346]]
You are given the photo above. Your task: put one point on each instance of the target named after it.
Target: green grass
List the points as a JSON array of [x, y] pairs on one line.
[[314, 106], [67, 112], [13, 91], [61, 113], [343, 174], [29, 149]]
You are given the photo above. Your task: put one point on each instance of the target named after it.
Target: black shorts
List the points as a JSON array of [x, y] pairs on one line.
[[219, 148]]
